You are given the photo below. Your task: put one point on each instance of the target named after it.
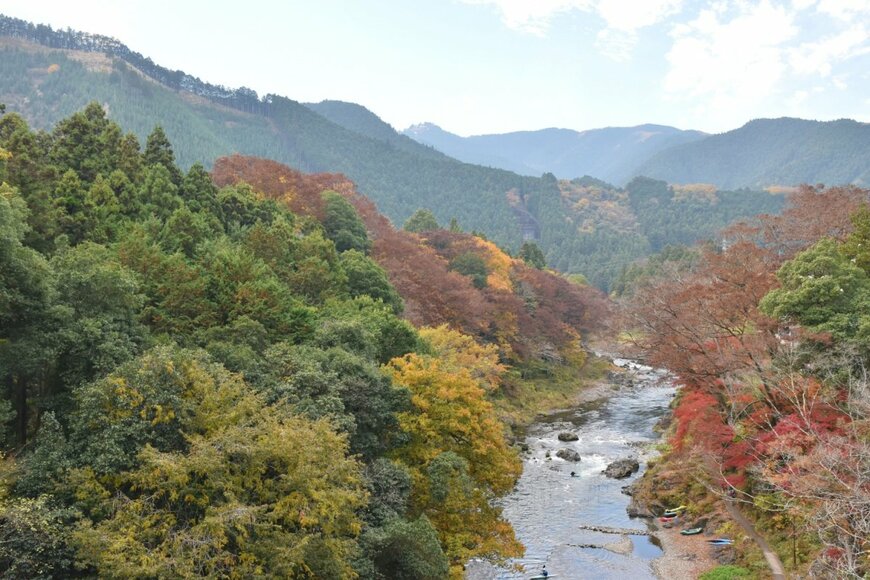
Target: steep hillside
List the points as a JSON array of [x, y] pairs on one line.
[[358, 119], [168, 346], [611, 154], [47, 80], [771, 152], [47, 83], [613, 227]]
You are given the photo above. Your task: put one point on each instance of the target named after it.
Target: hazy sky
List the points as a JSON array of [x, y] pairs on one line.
[[491, 66]]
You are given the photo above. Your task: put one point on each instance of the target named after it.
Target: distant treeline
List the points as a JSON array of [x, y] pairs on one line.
[[242, 98]]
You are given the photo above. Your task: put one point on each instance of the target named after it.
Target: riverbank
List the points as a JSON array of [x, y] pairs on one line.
[[683, 557], [528, 395]]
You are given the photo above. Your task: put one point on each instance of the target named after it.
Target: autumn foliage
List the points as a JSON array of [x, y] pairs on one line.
[[768, 337], [524, 311]]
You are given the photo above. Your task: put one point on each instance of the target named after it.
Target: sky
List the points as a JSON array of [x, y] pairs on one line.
[[494, 66]]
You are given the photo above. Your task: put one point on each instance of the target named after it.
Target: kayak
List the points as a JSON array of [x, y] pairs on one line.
[[667, 518], [675, 511], [692, 531], [542, 577], [720, 541]]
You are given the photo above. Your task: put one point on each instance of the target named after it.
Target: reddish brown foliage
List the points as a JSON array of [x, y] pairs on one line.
[[522, 309], [300, 192], [706, 325], [813, 213]]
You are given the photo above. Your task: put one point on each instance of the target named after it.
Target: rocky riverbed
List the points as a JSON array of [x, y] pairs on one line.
[[578, 525]]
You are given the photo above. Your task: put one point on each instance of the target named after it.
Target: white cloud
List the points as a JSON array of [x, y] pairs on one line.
[[532, 16], [844, 9], [819, 57], [616, 44], [729, 61], [631, 15], [622, 18]]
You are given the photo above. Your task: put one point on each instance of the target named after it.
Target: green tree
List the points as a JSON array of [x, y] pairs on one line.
[[366, 327], [130, 157], [405, 550], [158, 193], [348, 389], [421, 221], [35, 539], [199, 192], [69, 200], [27, 294], [241, 208], [532, 255], [102, 211], [857, 245], [343, 225], [158, 151], [822, 290], [185, 230], [366, 278], [86, 143], [471, 265], [99, 302], [240, 284]]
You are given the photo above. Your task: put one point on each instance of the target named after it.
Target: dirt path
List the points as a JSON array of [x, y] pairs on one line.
[[773, 561]]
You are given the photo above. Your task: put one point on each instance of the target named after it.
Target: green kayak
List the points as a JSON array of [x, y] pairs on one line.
[[692, 531]]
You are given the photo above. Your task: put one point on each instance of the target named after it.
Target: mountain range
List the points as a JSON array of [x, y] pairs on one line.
[[611, 154], [762, 153], [46, 75]]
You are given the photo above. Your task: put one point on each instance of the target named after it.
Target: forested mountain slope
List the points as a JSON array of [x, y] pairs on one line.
[[611, 154], [47, 75], [360, 120], [768, 152], [255, 378], [207, 121]]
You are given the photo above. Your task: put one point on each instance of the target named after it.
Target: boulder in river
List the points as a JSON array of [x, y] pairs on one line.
[[568, 455], [622, 468], [568, 436]]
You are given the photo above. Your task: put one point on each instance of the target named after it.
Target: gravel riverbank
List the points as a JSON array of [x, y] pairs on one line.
[[684, 557]]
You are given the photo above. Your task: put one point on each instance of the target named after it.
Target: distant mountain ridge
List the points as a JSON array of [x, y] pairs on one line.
[[584, 227], [784, 151], [611, 154], [762, 153]]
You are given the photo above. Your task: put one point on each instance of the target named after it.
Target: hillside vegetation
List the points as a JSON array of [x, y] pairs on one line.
[[768, 339], [769, 152], [252, 377], [47, 75]]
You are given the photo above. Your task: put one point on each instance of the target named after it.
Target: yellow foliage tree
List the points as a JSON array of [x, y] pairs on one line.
[[458, 351], [458, 458], [233, 488]]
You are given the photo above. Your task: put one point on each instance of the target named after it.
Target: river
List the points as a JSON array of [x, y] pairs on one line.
[[548, 505]]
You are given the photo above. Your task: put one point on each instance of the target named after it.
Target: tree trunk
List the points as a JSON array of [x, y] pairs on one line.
[[19, 400]]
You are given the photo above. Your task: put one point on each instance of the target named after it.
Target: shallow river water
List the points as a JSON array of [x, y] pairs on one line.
[[548, 505]]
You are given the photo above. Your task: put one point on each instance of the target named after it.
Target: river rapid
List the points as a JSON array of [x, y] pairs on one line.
[[548, 505]]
